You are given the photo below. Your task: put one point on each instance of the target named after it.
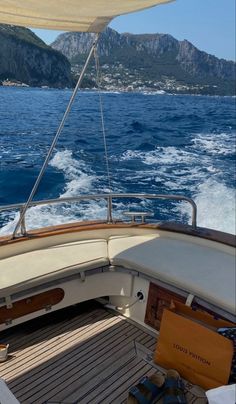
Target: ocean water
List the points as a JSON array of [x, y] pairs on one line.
[[163, 144]]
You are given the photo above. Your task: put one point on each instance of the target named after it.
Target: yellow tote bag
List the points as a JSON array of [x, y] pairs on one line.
[[187, 344]]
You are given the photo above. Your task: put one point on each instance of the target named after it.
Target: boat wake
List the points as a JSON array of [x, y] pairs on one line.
[[167, 168], [216, 206], [176, 151]]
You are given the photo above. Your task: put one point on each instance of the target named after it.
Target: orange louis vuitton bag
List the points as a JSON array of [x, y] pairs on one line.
[[189, 343]]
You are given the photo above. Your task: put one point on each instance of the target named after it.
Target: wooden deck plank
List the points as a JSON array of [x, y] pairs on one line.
[[107, 370], [85, 346], [88, 358], [31, 341], [41, 334], [79, 371], [50, 324], [102, 374], [63, 363], [116, 397], [52, 347], [102, 370], [128, 378], [41, 352], [117, 380]]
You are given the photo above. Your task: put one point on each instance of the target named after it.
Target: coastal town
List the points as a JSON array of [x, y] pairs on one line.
[[119, 78]]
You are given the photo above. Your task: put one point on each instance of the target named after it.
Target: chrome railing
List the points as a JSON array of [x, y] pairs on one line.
[[109, 198]]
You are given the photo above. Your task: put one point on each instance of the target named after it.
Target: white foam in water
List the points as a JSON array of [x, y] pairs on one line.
[[77, 182], [161, 155], [215, 144], [39, 216], [79, 179], [194, 171], [216, 206], [157, 92], [178, 169]]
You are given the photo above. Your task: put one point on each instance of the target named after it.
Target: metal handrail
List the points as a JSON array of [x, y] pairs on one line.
[[109, 198]]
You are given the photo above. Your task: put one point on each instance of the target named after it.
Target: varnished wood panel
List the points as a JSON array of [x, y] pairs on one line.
[[158, 299], [31, 304]]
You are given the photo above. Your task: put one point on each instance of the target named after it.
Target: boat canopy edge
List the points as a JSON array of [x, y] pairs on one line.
[[72, 15]]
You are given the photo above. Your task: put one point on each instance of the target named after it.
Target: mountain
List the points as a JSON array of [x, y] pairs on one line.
[[26, 58], [150, 61]]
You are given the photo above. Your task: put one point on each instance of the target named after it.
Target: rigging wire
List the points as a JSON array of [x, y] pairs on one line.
[[59, 130], [98, 81]]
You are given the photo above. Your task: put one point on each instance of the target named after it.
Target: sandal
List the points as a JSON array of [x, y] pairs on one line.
[[173, 389], [148, 390]]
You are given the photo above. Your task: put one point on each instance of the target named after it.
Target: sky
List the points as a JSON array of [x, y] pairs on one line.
[[208, 24]]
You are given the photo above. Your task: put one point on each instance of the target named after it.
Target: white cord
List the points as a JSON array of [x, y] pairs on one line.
[[119, 308], [128, 305], [98, 79]]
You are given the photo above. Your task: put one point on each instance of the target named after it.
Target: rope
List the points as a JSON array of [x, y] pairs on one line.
[[98, 81], [127, 306]]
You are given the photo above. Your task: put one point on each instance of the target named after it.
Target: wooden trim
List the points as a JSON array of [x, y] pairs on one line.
[[31, 304], [204, 233], [201, 232], [158, 299]]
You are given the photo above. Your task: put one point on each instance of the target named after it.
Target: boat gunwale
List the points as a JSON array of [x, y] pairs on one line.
[[200, 232]]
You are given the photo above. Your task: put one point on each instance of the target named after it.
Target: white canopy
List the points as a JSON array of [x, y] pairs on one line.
[[69, 15]]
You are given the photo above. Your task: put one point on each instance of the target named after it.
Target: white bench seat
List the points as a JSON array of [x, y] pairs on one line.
[[36, 267], [204, 271]]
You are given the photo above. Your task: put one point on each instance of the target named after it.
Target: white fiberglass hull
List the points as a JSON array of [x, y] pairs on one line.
[[87, 261]]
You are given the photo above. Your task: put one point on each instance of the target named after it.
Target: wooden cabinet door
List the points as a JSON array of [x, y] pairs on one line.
[[158, 299], [31, 304]]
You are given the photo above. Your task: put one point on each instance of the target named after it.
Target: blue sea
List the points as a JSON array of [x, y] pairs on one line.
[[157, 143]]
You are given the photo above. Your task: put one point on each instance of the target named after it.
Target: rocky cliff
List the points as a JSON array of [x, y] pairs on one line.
[[151, 61], [26, 58]]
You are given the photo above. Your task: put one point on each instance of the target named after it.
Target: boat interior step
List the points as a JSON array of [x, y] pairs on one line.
[[82, 354]]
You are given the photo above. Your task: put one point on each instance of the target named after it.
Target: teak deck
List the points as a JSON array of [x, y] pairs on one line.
[[79, 355]]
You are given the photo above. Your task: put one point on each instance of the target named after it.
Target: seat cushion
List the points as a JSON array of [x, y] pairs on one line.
[[31, 268], [193, 266]]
